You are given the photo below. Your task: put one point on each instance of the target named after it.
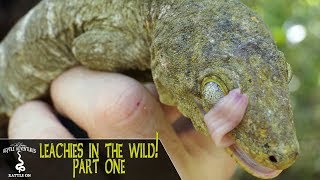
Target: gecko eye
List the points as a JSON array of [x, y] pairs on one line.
[[289, 72], [212, 91]]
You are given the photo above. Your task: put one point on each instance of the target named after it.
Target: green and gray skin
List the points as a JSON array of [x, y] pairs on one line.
[[197, 50]]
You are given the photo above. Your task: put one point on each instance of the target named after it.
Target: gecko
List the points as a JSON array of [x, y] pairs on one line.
[[197, 51]]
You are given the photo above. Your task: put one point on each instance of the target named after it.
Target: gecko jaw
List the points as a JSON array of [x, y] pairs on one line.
[[251, 165]]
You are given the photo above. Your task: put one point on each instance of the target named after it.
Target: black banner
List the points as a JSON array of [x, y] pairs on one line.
[[85, 159]]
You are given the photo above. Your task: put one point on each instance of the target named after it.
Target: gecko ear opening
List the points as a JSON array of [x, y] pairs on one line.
[[213, 89]]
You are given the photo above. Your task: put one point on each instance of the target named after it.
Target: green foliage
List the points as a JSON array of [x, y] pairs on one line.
[[304, 58]]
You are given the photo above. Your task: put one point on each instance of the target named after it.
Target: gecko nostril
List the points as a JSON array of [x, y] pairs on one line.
[[273, 159]]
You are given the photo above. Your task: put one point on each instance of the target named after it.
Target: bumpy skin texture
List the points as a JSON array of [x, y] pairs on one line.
[[183, 42]]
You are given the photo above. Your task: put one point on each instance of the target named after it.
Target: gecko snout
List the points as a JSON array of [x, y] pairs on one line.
[[283, 160]]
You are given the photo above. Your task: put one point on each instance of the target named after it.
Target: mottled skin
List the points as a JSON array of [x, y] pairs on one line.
[[186, 44]]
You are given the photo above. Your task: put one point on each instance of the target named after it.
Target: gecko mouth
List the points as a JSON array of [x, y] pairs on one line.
[[251, 165]]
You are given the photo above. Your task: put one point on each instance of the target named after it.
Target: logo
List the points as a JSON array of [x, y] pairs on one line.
[[20, 166]]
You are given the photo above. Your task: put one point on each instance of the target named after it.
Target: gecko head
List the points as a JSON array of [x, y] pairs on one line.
[[265, 140], [246, 57], [208, 54]]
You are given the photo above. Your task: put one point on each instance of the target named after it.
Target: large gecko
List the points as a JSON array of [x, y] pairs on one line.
[[197, 50]]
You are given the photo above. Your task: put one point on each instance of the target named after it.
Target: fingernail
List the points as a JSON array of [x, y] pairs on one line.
[[241, 99], [235, 92]]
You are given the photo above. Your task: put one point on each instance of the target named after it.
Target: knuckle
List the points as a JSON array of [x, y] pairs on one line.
[[124, 108]]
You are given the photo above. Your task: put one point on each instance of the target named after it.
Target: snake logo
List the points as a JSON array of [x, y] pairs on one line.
[[19, 148], [20, 166]]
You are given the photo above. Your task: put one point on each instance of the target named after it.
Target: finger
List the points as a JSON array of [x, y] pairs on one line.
[[152, 90], [224, 118], [198, 149], [114, 106], [219, 112], [172, 138], [110, 104], [35, 120], [226, 102], [206, 157], [172, 112]]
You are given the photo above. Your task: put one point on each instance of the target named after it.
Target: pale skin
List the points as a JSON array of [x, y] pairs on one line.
[[111, 105]]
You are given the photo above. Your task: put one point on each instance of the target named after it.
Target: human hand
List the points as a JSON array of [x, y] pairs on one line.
[[111, 105]]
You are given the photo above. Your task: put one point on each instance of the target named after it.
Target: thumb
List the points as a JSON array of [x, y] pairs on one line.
[[106, 104]]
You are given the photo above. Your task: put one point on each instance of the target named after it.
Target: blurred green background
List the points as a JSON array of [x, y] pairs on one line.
[[295, 25]]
